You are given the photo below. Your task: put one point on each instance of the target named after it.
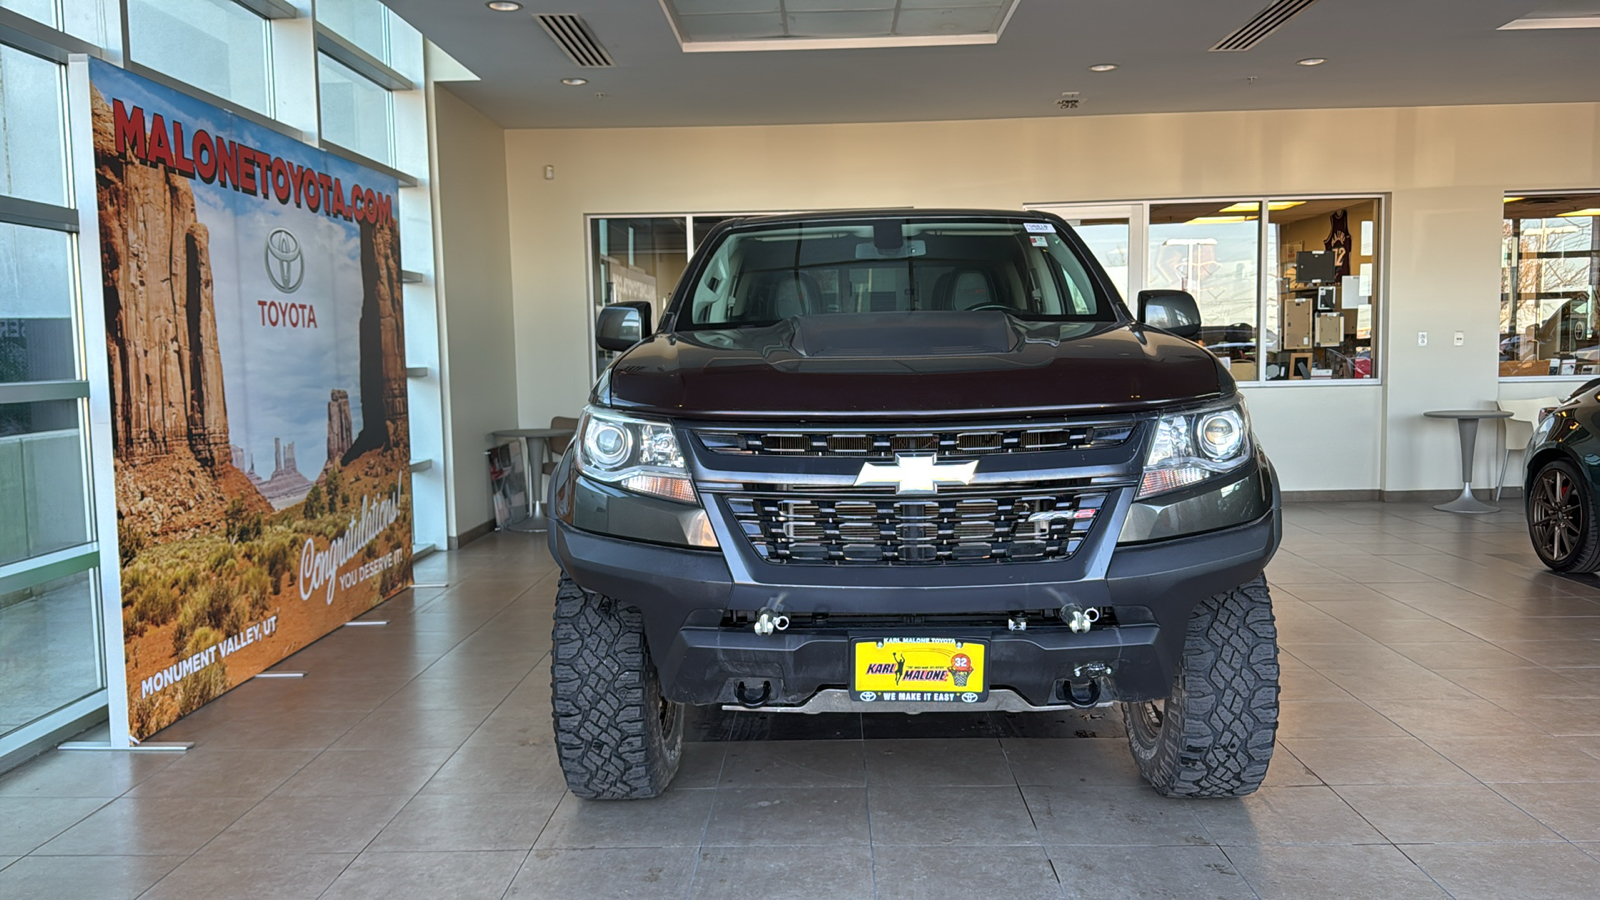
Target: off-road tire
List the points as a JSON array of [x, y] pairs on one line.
[[1213, 736], [616, 738], [1560, 503]]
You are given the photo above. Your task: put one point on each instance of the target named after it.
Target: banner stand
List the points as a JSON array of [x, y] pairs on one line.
[[153, 747]]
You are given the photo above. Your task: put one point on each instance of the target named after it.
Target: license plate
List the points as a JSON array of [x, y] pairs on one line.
[[919, 670]]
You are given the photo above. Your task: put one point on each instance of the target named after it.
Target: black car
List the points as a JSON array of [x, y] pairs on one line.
[[908, 462], [1561, 480]]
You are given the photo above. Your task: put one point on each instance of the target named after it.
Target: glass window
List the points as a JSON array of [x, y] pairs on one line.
[[1108, 240], [356, 112], [758, 275], [49, 640], [361, 22], [42, 501], [1550, 272], [1322, 303], [36, 304], [1212, 249], [636, 259], [216, 45], [83, 19], [33, 143]]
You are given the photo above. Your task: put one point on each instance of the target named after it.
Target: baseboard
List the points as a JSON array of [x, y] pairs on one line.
[[1487, 494], [1328, 496], [457, 541]]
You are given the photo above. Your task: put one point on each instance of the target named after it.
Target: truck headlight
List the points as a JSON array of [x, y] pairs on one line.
[[1190, 447], [638, 455]]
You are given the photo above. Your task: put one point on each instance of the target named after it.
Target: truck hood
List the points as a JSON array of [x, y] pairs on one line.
[[909, 363]]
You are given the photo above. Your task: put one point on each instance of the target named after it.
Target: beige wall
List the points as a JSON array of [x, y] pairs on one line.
[[479, 372], [1445, 170]]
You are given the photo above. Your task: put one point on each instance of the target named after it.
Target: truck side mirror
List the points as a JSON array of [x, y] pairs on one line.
[[1174, 312], [621, 325]]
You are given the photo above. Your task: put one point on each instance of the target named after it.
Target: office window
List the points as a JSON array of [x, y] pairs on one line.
[[216, 45], [1321, 305], [36, 305], [54, 648], [33, 143], [1549, 278], [636, 259], [42, 499], [356, 113], [1212, 249]]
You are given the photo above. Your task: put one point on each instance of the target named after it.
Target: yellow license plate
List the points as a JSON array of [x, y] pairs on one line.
[[918, 670]]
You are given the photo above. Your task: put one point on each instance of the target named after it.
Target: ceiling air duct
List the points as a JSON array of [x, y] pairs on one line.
[[572, 34], [1262, 24]]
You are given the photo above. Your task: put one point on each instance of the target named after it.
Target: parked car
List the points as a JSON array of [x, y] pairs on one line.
[[1561, 481], [912, 462]]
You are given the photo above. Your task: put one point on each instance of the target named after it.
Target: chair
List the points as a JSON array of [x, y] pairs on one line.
[[556, 446], [1519, 429]]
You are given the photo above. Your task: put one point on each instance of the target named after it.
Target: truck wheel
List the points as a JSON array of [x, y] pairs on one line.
[[616, 736], [1213, 736]]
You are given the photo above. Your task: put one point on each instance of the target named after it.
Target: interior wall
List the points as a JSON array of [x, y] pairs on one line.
[[479, 372], [1445, 170]]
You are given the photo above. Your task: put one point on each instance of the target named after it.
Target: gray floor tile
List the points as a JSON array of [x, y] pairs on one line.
[[149, 826], [1287, 770], [1148, 873], [41, 877], [701, 765], [1497, 871], [1529, 758], [450, 822], [1569, 809], [769, 817], [793, 764], [1386, 760], [1081, 761], [1279, 872], [487, 770], [1408, 814], [1112, 816], [209, 772], [675, 819], [1332, 718], [471, 875], [1291, 815], [1451, 718], [325, 824], [350, 773], [632, 873], [83, 773], [251, 874], [27, 822], [950, 815], [388, 728], [974, 762], [731, 873], [938, 873]]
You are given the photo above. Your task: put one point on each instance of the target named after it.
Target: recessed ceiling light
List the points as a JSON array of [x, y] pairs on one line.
[[503, 5], [1103, 67], [574, 82], [1311, 61]]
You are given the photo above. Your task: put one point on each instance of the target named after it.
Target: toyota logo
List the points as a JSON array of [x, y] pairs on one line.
[[285, 266]]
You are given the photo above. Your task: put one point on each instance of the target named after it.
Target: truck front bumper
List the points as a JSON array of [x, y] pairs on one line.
[[1152, 588]]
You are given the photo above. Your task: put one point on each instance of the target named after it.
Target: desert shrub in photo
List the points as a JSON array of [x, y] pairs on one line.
[[207, 684]]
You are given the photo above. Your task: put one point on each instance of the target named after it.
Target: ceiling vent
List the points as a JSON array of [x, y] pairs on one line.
[[1262, 24], [576, 40]]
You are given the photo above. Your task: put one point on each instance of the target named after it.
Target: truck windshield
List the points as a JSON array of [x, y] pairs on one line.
[[761, 275]]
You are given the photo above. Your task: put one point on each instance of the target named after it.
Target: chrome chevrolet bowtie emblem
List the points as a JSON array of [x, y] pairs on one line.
[[916, 474]]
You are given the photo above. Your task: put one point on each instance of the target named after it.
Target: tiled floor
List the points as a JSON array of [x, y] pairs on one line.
[[1440, 737]]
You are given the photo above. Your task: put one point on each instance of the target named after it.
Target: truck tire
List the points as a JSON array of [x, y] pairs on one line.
[[1213, 737], [617, 738]]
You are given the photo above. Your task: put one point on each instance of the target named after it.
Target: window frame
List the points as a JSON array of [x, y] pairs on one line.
[[1139, 275], [1574, 378]]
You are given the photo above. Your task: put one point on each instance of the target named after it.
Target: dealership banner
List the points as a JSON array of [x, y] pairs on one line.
[[257, 390]]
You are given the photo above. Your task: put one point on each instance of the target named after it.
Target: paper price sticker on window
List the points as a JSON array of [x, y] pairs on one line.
[[1038, 240], [1039, 227]]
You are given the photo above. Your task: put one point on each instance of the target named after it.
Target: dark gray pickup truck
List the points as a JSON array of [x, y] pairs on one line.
[[912, 462]]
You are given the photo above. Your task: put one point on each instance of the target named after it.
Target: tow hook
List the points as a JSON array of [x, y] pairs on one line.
[[768, 621], [1080, 620], [1089, 697], [753, 702]]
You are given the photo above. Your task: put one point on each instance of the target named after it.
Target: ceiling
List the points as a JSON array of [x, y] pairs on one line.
[[1379, 53]]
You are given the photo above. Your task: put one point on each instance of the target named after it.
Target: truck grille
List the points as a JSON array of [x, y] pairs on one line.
[[865, 527], [870, 443]]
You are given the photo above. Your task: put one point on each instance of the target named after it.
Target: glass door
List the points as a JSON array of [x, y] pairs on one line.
[[1114, 233]]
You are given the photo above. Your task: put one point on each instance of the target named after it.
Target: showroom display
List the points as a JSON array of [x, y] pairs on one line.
[[1561, 482], [892, 462]]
